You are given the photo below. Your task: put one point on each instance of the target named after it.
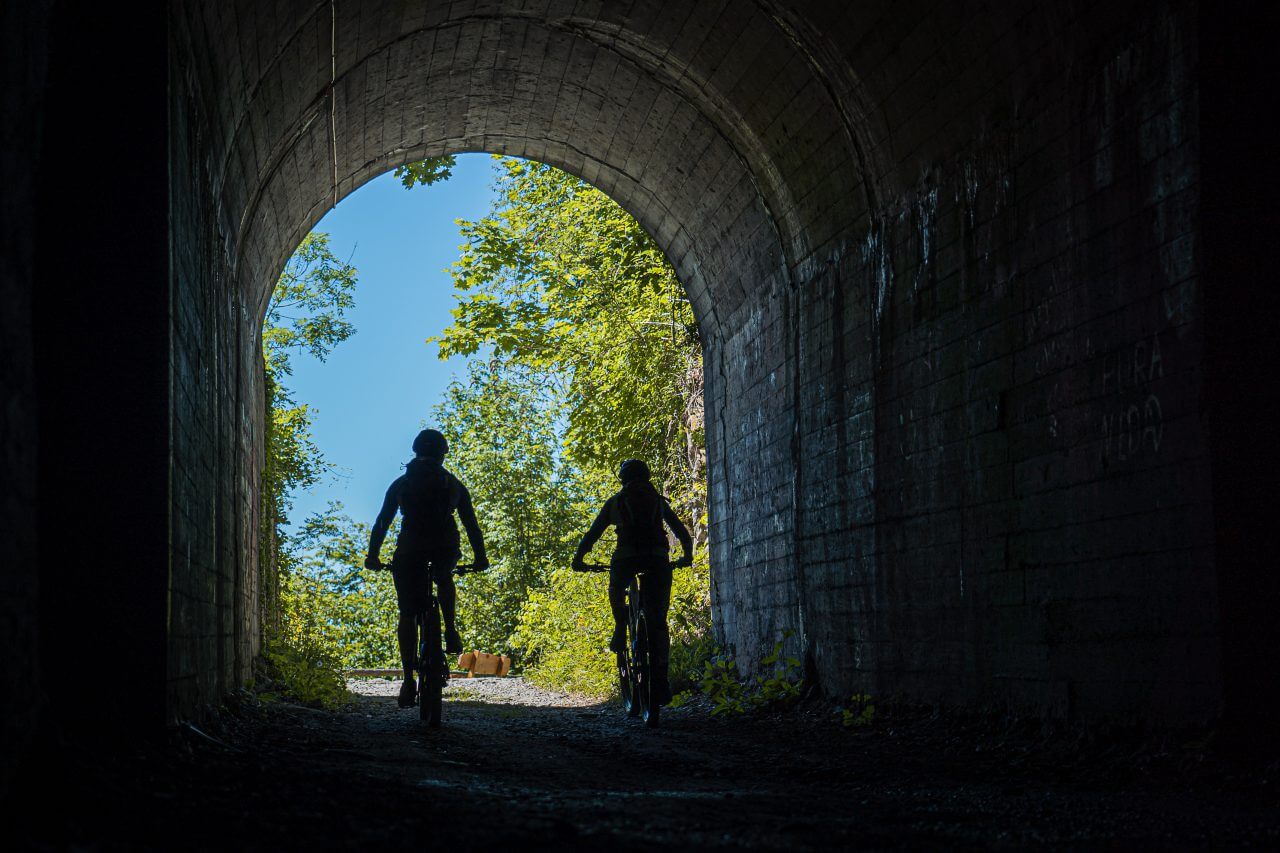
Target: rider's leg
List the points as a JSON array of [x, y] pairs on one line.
[[657, 595], [409, 596], [447, 595], [407, 637], [619, 579]]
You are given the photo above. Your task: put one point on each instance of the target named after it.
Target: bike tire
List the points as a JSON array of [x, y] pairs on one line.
[[649, 709], [626, 686], [430, 695]]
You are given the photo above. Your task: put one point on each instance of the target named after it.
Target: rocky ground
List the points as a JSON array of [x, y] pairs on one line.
[[516, 766]]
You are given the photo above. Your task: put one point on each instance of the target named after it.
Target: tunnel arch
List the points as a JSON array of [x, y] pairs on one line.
[[920, 241], [673, 150]]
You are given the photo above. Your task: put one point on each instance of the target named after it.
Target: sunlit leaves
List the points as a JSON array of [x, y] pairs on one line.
[[560, 280], [426, 172], [308, 306]]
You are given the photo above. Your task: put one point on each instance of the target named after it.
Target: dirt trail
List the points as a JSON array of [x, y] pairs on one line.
[[515, 765]]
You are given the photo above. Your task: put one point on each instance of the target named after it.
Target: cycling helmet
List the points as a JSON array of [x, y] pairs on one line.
[[431, 443], [632, 470]]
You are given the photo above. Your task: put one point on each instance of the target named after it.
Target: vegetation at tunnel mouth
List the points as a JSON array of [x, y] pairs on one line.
[[581, 350]]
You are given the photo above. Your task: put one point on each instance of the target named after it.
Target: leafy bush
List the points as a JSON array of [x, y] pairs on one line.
[[300, 662], [860, 713], [304, 672], [777, 686], [564, 630]]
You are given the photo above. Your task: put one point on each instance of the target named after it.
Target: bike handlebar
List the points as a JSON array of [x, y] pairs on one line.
[[461, 569], [601, 567]]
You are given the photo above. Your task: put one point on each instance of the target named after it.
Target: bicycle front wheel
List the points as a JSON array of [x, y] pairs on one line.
[[430, 692], [646, 696]]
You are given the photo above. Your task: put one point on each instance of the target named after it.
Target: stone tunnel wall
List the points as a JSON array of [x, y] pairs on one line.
[[987, 398], [217, 417], [946, 268]]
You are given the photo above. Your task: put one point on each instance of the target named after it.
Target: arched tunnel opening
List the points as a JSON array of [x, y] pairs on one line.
[[558, 343], [982, 294]]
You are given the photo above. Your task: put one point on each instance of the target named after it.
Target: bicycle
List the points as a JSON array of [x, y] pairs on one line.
[[636, 681], [433, 662]]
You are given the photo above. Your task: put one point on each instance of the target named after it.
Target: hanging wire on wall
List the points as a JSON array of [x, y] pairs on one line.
[[333, 97]]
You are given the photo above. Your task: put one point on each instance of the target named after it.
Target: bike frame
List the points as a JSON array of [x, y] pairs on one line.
[[433, 665]]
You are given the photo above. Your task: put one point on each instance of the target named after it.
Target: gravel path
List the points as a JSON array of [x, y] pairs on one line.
[[517, 767], [511, 690]]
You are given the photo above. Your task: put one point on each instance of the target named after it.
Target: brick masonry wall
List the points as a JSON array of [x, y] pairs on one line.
[[946, 268], [217, 427], [1004, 476]]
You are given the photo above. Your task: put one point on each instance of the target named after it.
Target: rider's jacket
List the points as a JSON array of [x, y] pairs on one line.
[[638, 511], [427, 496]]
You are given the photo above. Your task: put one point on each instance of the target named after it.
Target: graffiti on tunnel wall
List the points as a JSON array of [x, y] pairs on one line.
[[1133, 418]]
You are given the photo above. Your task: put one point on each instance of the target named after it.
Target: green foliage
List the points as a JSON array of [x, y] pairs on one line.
[[426, 172], [561, 282], [306, 314], [308, 307], [692, 643], [780, 682], [505, 446], [723, 686], [777, 686], [562, 634], [351, 608], [860, 713], [301, 668]]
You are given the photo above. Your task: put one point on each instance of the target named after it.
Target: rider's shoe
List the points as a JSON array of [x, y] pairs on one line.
[[408, 693], [452, 642], [618, 643]]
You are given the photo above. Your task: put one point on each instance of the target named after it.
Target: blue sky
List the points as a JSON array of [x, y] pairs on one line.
[[377, 387]]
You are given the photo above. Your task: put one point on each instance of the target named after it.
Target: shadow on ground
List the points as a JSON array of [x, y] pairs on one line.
[[514, 766]]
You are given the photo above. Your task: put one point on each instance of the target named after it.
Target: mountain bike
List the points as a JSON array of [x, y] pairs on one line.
[[433, 662], [636, 671]]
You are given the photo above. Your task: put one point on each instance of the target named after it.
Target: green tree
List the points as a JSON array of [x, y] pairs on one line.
[[505, 445], [560, 281], [307, 313], [426, 172]]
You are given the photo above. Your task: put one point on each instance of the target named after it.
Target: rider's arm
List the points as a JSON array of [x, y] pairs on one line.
[[677, 527], [467, 513], [390, 504], [598, 527]]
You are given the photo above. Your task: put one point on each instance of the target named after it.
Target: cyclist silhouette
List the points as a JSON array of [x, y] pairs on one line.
[[639, 511], [428, 545]]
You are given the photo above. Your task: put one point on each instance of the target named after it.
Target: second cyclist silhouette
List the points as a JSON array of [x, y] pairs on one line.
[[638, 511], [428, 547]]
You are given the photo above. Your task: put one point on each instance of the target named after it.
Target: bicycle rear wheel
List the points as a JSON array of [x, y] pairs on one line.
[[646, 697], [626, 686], [430, 688]]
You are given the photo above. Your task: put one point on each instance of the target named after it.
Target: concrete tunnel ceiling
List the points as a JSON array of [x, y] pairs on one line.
[[946, 262], [723, 150]]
